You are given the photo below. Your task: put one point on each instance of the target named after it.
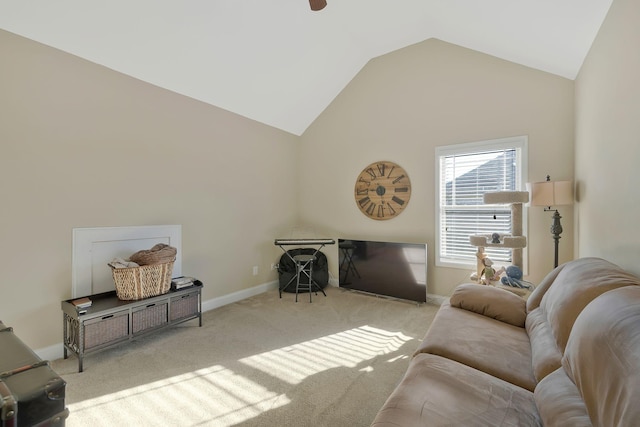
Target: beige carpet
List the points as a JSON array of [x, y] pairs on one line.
[[263, 361]]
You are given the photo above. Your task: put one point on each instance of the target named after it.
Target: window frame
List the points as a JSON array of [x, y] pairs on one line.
[[519, 143]]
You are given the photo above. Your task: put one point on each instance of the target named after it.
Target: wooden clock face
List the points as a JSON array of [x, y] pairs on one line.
[[382, 190]]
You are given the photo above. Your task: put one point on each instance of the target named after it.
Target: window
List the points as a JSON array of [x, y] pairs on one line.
[[464, 172]]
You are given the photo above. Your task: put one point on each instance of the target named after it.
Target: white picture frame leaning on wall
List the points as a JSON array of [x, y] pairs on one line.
[[94, 248]]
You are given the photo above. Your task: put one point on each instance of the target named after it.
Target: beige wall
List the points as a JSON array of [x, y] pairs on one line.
[[404, 104], [608, 141], [83, 146]]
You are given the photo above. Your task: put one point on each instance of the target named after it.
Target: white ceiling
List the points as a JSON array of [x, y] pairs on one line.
[[276, 61]]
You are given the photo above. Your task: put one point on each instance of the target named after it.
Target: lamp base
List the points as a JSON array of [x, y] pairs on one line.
[[556, 230]]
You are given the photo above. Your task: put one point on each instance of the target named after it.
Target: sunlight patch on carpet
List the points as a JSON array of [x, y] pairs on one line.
[[349, 348], [223, 397], [182, 400]]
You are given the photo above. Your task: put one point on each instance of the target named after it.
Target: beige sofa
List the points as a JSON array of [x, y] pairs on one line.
[[568, 356]]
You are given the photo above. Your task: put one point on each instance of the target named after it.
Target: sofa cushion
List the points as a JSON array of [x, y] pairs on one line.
[[602, 357], [559, 402], [582, 280], [436, 391], [481, 342], [545, 354], [492, 302], [534, 299], [577, 284]]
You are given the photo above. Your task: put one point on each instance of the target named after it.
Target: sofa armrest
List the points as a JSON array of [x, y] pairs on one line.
[[492, 302]]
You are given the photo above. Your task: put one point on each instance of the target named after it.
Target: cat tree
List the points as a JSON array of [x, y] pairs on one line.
[[514, 241]]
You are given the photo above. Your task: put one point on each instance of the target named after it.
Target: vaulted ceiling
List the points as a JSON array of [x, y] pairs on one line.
[[278, 62]]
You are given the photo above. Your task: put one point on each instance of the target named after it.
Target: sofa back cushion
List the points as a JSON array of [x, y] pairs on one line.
[[559, 402], [534, 299], [602, 357], [545, 355], [576, 284]]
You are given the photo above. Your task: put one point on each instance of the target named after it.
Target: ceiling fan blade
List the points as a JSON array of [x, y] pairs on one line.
[[317, 4]]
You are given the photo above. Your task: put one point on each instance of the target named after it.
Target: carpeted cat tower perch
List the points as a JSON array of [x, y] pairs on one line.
[[514, 241]]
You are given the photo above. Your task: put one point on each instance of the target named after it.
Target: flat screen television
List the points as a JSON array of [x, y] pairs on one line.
[[396, 270]]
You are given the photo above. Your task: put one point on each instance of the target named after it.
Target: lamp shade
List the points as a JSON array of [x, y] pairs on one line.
[[551, 193], [317, 4]]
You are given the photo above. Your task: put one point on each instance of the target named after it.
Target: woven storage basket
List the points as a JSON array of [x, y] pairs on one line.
[[146, 281]]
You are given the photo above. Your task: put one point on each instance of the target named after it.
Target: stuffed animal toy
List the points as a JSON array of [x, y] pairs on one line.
[[489, 274], [514, 278]]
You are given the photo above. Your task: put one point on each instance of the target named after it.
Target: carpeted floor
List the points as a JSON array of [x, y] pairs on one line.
[[263, 361]]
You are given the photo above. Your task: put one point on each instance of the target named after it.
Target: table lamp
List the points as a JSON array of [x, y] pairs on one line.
[[552, 193]]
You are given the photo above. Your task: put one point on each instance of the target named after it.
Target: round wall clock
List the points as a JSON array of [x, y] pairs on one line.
[[382, 190]]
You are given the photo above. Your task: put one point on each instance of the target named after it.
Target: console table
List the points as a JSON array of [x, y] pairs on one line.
[[109, 320]]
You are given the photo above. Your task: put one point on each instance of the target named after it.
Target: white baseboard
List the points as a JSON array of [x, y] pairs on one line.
[[238, 296], [435, 299], [56, 351], [52, 352]]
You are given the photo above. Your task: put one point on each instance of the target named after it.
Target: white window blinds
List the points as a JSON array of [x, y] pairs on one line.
[[465, 173]]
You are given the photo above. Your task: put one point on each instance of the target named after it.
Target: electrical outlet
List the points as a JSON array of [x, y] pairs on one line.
[[255, 270]]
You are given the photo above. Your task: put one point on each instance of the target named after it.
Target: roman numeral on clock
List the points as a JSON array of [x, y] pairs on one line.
[[397, 200], [391, 170], [395, 181], [363, 202], [371, 172], [371, 208]]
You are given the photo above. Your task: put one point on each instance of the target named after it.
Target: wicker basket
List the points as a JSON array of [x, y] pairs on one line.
[[146, 281]]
